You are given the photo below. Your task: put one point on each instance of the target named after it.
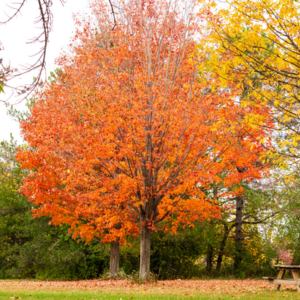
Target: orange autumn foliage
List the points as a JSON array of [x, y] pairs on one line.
[[128, 135]]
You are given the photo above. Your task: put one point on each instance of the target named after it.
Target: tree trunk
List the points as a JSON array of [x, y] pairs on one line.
[[114, 259], [209, 258], [222, 247], [238, 232], [145, 243]]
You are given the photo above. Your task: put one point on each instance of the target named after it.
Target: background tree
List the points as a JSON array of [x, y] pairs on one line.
[[259, 208], [31, 248], [260, 38], [287, 198]]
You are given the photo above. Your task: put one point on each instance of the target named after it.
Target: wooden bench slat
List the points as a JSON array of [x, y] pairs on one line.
[[286, 281], [287, 266]]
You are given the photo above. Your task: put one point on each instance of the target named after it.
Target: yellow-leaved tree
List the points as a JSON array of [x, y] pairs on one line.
[[255, 43]]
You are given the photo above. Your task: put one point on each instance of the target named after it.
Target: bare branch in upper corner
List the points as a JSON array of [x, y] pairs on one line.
[[7, 73]]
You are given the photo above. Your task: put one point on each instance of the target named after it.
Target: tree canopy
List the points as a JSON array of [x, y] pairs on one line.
[[129, 135], [262, 41]]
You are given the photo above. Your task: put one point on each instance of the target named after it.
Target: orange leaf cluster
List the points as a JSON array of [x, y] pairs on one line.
[[128, 135]]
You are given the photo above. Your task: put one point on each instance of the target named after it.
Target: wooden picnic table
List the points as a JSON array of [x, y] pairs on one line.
[[279, 280]]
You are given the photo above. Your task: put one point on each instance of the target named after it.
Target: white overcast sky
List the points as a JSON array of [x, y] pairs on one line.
[[18, 32]]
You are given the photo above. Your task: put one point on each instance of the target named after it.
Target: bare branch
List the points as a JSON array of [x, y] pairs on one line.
[[45, 18]]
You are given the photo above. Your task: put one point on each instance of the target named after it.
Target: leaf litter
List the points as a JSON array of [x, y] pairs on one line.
[[179, 287]]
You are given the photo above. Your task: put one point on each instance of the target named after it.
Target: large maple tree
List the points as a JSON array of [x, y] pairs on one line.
[[128, 138]]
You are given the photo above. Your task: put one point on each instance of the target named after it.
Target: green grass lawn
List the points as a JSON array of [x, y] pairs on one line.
[[47, 295]]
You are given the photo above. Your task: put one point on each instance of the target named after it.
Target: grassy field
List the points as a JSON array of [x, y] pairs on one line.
[[125, 290], [98, 296]]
